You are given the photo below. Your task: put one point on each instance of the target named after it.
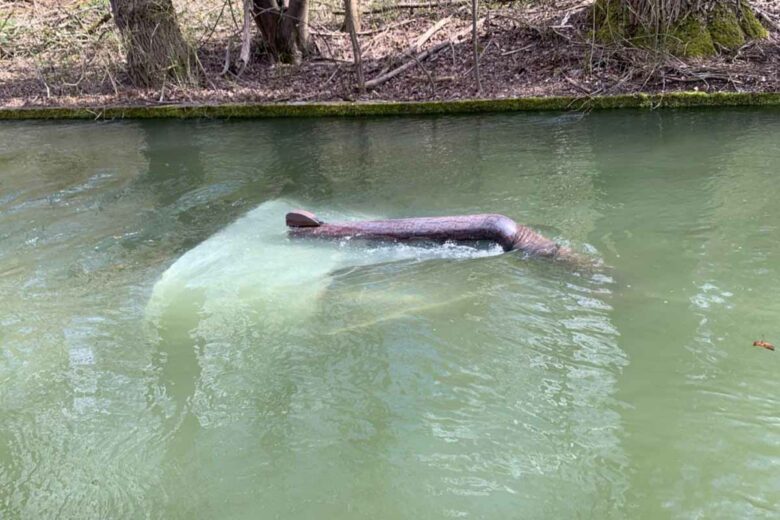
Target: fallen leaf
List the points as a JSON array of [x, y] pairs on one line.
[[763, 344]]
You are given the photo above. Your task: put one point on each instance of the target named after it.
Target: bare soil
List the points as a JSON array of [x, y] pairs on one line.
[[526, 50]]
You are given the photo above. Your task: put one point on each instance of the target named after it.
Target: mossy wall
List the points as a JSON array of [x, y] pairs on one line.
[[373, 109], [727, 26]]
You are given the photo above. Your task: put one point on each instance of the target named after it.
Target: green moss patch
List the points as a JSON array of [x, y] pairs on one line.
[[724, 28], [750, 24], [695, 36], [690, 38], [610, 21]]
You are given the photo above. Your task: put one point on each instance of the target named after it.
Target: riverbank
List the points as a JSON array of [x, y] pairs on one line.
[[372, 109], [531, 57]]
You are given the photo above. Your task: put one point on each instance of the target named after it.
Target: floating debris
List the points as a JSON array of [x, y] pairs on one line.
[[763, 344]]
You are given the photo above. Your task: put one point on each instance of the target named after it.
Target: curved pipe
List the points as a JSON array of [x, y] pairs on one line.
[[467, 228]]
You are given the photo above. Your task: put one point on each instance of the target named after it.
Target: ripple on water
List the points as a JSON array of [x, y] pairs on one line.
[[448, 371], [154, 366]]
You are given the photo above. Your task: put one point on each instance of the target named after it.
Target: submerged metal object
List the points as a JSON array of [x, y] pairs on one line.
[[490, 227]]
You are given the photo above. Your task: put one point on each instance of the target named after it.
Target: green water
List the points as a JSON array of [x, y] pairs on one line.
[[166, 352]]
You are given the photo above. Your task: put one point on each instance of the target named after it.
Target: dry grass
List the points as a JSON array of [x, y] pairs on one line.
[[69, 43], [63, 45]]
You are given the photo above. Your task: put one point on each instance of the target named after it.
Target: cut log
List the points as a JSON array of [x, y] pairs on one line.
[[302, 218], [494, 228]]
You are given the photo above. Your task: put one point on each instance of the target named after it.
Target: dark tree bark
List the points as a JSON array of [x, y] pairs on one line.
[[155, 48], [284, 30], [684, 27]]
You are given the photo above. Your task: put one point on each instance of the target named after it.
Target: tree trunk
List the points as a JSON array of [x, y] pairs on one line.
[[475, 43], [692, 28], [349, 9], [354, 11], [284, 30], [303, 28], [155, 48]]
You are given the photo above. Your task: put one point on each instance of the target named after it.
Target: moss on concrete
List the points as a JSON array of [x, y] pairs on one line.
[[373, 109]]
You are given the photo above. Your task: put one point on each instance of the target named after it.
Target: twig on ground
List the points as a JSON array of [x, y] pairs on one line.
[[329, 59], [233, 16], [95, 26], [515, 51], [43, 80], [577, 85], [452, 51], [409, 5], [430, 32], [370, 32], [417, 45], [564, 23], [226, 66], [768, 19], [327, 82], [213, 27], [415, 48], [482, 53], [430, 78], [205, 74], [457, 38]]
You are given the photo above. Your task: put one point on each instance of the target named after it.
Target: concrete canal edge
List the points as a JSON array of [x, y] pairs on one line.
[[396, 108]]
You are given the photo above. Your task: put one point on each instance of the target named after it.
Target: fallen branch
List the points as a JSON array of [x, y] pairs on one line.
[[564, 23], [478, 58], [577, 85], [328, 59], [523, 23], [213, 27], [420, 57], [226, 66], [411, 5], [338, 69], [430, 32], [338, 34], [413, 49], [428, 74], [95, 26], [768, 19], [515, 51]]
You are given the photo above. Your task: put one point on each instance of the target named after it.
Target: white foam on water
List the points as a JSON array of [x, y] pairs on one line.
[[252, 262]]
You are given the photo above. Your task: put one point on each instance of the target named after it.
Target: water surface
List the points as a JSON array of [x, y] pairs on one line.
[[167, 352]]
